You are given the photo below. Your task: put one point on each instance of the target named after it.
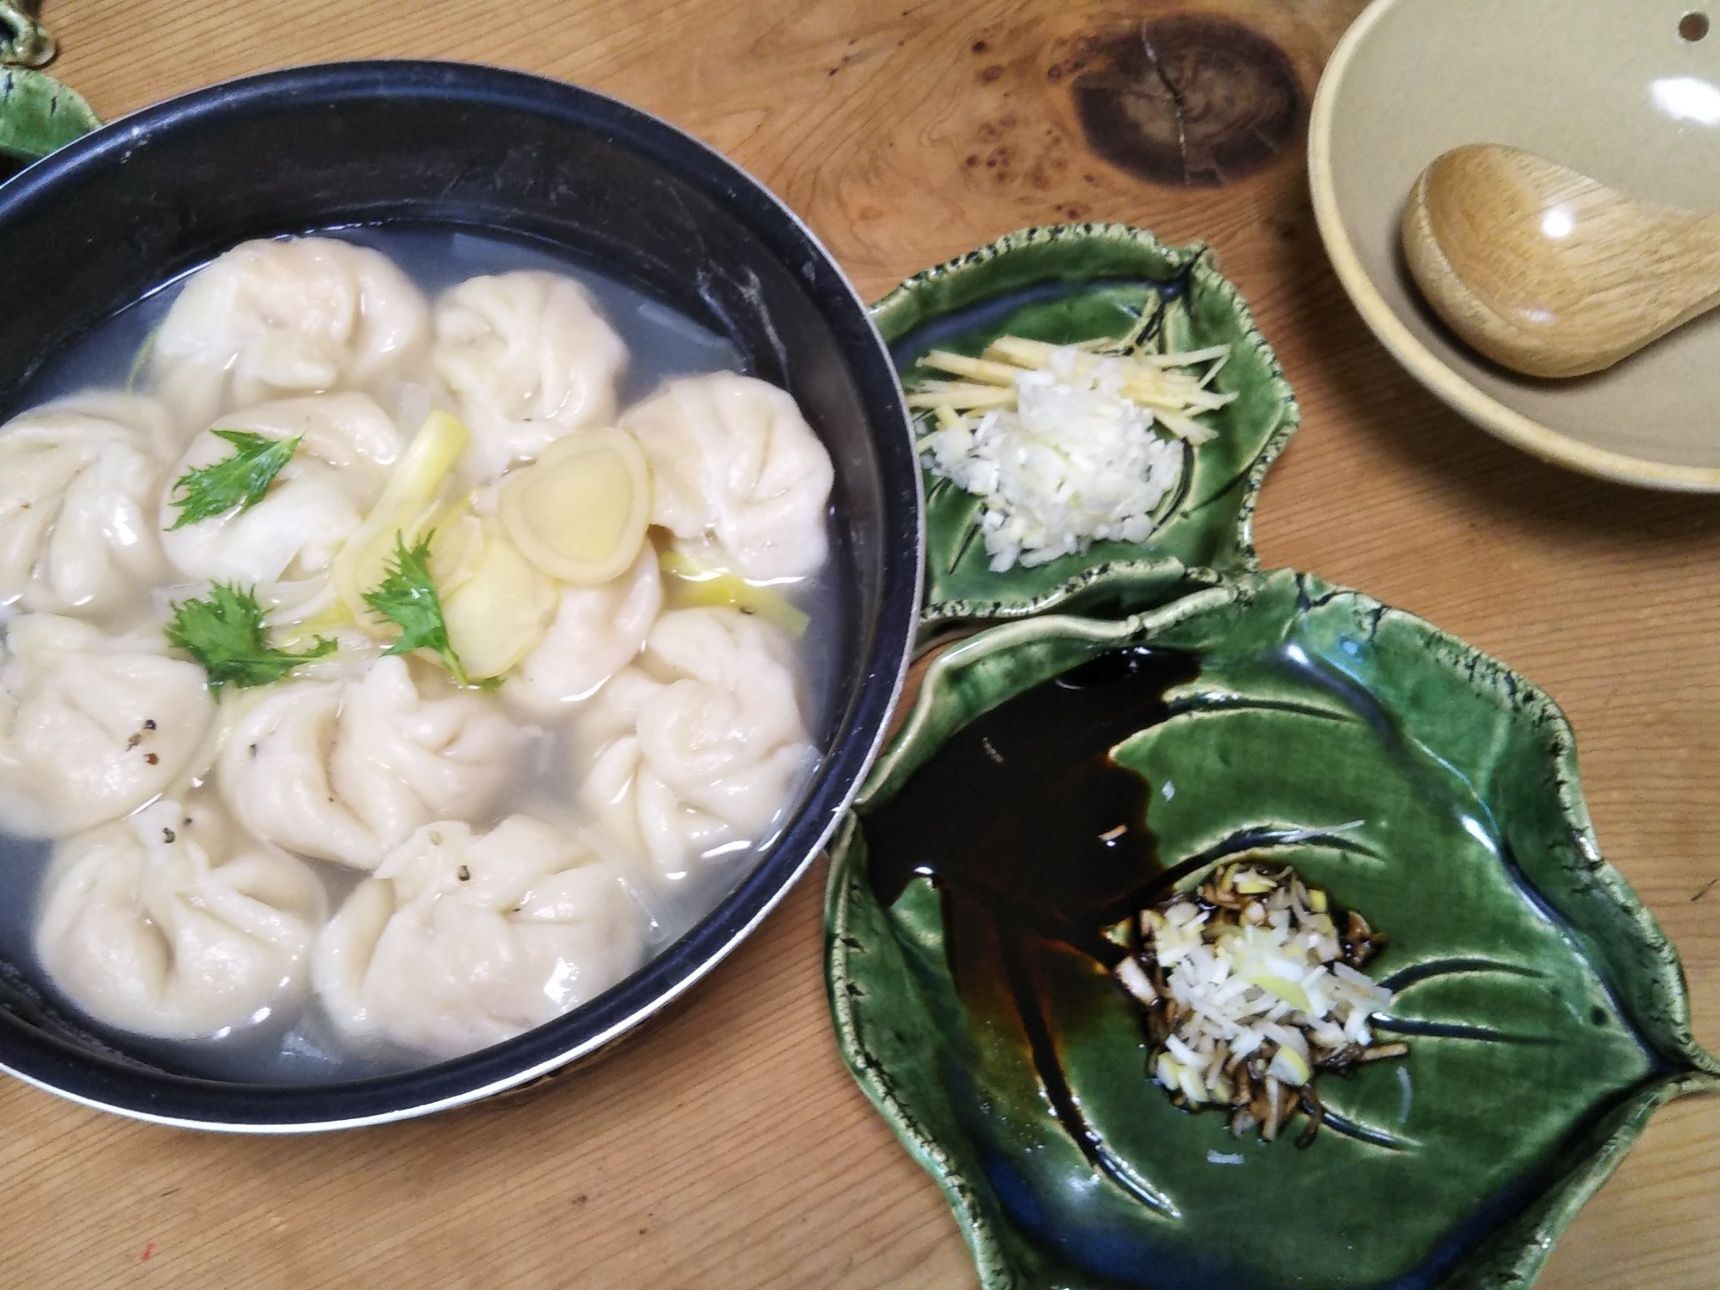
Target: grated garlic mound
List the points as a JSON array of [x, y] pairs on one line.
[[1063, 445], [1072, 464], [1251, 988]]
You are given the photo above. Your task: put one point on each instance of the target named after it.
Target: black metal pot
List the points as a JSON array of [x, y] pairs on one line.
[[116, 214]]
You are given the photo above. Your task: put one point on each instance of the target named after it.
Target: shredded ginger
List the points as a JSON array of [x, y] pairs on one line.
[[1064, 445], [1251, 988]]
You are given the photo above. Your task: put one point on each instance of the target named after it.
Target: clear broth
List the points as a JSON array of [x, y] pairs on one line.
[[302, 1046]]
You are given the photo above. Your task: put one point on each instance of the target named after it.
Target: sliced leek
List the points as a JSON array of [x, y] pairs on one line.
[[404, 510], [692, 585], [439, 443]]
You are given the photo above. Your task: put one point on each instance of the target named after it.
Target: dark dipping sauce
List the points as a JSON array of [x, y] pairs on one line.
[[1037, 843], [1037, 847]]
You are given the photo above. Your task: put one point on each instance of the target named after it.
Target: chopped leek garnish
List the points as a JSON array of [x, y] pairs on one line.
[[692, 585], [404, 512]]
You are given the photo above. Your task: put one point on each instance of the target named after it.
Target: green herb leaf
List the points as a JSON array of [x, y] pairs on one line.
[[225, 634], [239, 480], [407, 598]]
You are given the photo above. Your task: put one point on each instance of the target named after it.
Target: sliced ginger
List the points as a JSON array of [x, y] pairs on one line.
[[579, 513], [498, 612]]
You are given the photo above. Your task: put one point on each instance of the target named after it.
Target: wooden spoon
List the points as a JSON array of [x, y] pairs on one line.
[[1547, 271]]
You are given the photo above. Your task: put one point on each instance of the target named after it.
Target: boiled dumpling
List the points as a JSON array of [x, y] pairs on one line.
[[272, 319], [596, 632], [698, 746], [732, 459], [158, 924], [78, 484], [92, 726], [344, 770], [464, 939], [315, 503], [527, 358]]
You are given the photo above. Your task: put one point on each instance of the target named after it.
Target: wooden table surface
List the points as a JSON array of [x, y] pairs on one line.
[[728, 1146]]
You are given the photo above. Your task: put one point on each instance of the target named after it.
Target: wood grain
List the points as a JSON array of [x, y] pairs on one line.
[[727, 1146], [1524, 259]]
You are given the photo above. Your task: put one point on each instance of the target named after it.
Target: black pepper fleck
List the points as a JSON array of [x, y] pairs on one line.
[[464, 874], [168, 835]]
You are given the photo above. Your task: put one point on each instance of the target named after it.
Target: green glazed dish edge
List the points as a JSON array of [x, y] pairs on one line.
[[1591, 948], [1072, 282]]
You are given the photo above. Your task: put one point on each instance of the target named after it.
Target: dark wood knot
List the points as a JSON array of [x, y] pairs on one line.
[[1190, 100]]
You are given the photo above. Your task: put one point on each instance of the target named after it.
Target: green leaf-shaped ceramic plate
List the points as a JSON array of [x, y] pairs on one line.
[[1075, 282], [38, 115], [1418, 782]]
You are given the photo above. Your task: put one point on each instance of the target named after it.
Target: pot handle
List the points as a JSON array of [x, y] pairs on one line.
[[37, 113]]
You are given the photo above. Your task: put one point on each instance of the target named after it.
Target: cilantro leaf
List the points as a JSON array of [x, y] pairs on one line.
[[238, 480], [407, 598], [225, 634]]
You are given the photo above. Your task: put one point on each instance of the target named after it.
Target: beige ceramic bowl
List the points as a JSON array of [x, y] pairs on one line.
[[1614, 88]]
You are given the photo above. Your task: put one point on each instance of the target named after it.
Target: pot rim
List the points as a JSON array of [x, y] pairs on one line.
[[128, 1088]]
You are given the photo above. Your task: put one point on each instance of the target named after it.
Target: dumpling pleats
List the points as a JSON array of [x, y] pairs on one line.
[[464, 939], [734, 461], [274, 319], [345, 770], [526, 358], [149, 929], [697, 747], [92, 726]]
